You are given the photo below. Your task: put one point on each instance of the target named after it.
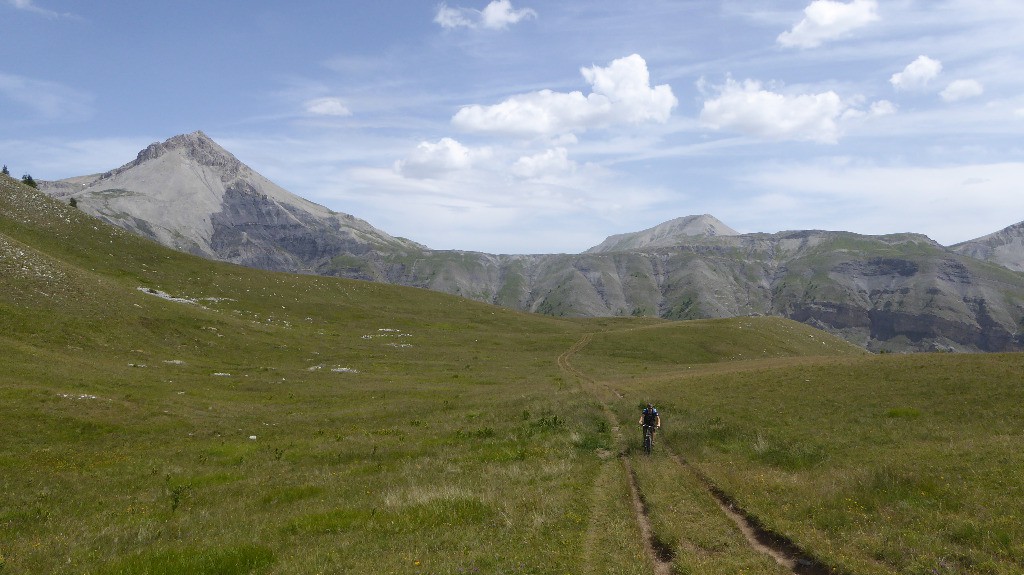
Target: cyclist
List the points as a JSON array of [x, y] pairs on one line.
[[649, 418]]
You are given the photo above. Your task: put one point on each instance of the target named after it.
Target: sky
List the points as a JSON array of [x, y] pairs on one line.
[[544, 126]]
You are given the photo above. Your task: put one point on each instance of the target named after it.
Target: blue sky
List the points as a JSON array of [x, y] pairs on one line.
[[541, 126]]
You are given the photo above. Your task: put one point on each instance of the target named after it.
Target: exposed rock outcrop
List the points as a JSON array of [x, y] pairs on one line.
[[191, 194], [888, 293], [1005, 247], [668, 234]]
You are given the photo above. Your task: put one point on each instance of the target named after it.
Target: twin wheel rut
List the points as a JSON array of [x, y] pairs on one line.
[[660, 553]]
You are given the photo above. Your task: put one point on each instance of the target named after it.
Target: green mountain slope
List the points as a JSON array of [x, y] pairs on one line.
[[221, 415], [893, 293], [163, 414]]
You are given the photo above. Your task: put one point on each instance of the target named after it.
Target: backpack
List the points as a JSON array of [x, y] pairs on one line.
[[650, 416]]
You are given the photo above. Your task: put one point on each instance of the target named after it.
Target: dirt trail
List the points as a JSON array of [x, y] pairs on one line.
[[778, 547], [660, 558], [782, 550]]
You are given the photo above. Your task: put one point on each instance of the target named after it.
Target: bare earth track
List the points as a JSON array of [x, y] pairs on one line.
[[660, 554]]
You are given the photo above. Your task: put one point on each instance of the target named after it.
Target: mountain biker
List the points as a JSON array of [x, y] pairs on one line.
[[649, 418]]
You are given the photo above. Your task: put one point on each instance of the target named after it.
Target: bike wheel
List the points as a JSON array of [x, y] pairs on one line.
[[647, 443]]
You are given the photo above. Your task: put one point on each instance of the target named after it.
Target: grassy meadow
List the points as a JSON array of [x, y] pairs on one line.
[[873, 464], [227, 420], [166, 414]]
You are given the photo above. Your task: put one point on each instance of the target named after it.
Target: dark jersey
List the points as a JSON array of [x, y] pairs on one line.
[[650, 416]]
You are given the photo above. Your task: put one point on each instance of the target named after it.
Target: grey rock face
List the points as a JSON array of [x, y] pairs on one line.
[[887, 293], [1005, 247], [191, 194], [901, 292], [666, 235]]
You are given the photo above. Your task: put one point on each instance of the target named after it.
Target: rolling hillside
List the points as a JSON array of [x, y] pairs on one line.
[[164, 413]]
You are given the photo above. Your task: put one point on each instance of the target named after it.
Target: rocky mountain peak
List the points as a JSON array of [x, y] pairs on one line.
[[196, 146], [893, 292], [1005, 247], [703, 225], [190, 193], [667, 234]]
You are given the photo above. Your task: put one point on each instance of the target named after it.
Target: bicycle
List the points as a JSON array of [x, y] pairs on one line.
[[648, 438]]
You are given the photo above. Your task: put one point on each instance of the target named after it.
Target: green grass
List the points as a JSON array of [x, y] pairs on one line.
[[876, 464], [279, 424], [689, 523], [302, 424], [230, 561]]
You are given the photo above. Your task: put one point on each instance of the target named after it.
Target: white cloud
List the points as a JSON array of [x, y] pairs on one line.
[[917, 74], [327, 107], [748, 108], [58, 158], [877, 109], [497, 15], [882, 108], [962, 90], [483, 209], [452, 17], [430, 160], [621, 94], [29, 6], [49, 100], [552, 162], [627, 85], [950, 204], [826, 20]]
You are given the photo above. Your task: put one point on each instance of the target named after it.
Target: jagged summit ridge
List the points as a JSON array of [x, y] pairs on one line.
[[189, 193], [196, 146]]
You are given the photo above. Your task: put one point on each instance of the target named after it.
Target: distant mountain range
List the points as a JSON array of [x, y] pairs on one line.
[[899, 292]]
